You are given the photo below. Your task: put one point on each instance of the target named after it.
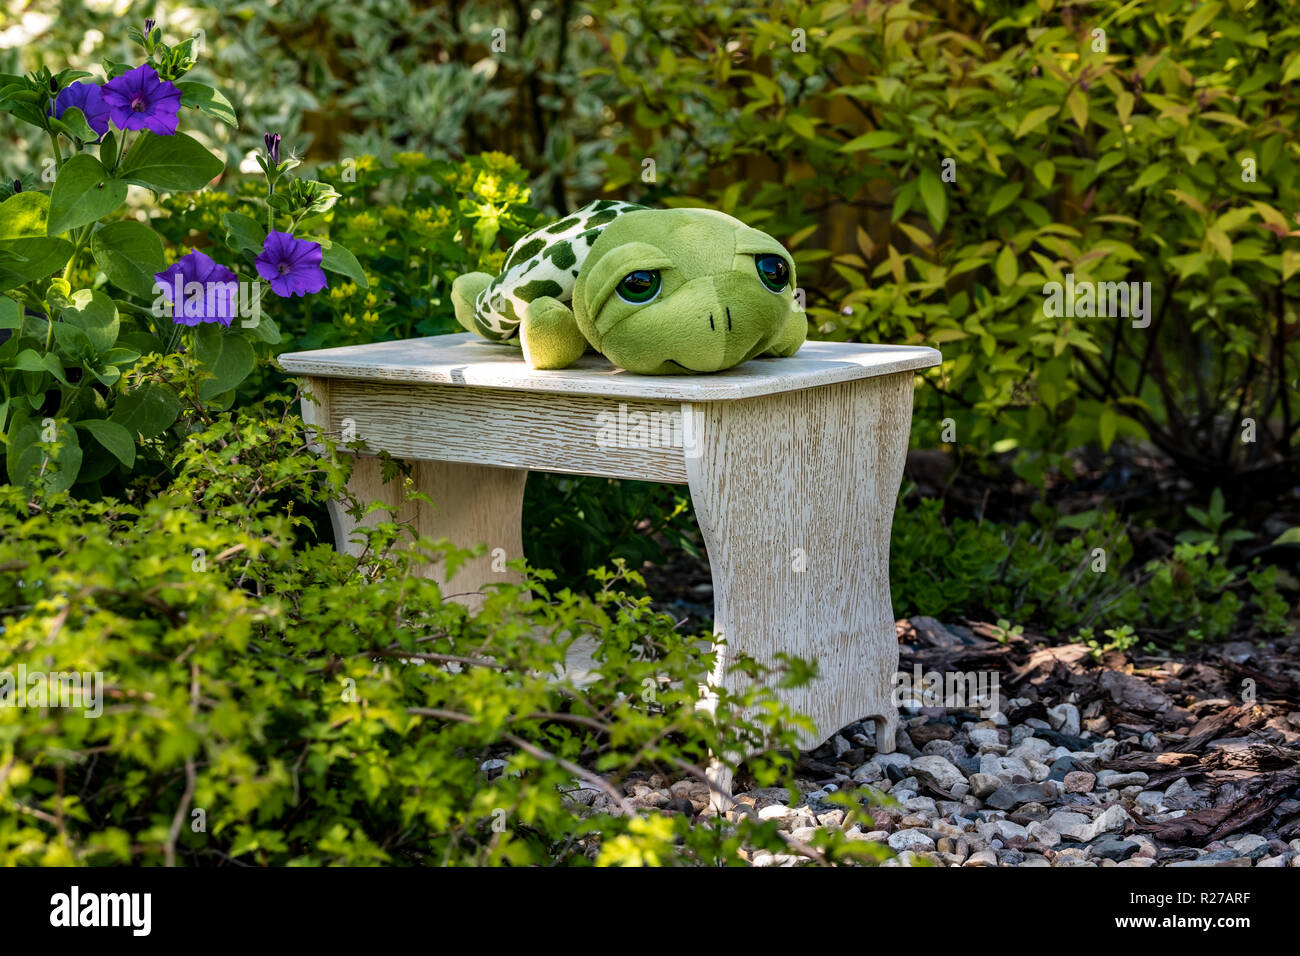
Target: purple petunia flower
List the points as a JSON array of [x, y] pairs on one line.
[[139, 100], [199, 289], [292, 266], [88, 98]]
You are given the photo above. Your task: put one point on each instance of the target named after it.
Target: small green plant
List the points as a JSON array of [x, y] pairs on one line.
[[1120, 639], [1075, 574], [1213, 523]]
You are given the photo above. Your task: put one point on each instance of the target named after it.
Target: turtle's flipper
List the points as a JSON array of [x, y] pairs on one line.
[[549, 334], [464, 293]]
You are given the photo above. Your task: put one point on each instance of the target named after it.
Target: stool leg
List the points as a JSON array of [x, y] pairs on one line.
[[794, 494], [475, 504]]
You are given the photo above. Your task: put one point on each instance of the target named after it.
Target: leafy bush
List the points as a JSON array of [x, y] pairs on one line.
[[1075, 575], [1153, 143], [267, 700], [379, 77], [415, 224], [934, 166], [76, 271]]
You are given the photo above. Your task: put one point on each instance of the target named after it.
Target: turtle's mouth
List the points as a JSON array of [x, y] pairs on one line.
[[686, 368]]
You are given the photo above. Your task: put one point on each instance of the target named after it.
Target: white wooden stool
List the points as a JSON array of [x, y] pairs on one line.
[[793, 465]]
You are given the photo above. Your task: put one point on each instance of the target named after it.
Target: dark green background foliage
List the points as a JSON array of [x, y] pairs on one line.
[[1118, 164]]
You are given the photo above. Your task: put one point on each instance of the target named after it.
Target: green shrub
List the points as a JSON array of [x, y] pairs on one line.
[[105, 345], [415, 224], [1074, 575], [832, 125], [267, 700]]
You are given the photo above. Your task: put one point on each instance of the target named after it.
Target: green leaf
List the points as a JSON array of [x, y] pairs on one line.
[[169, 163], [121, 356], [30, 360], [148, 410], [24, 215], [934, 197], [83, 192], [1219, 240], [1006, 267], [72, 123], [1150, 176], [1204, 14], [337, 258], [112, 436], [226, 355], [1004, 197], [243, 233], [22, 260], [208, 100], [1292, 71], [96, 315], [903, 201], [876, 139], [266, 329], [802, 125], [1044, 172], [11, 314], [27, 462], [1077, 103], [73, 342], [108, 374], [129, 253], [1034, 119], [1107, 425]]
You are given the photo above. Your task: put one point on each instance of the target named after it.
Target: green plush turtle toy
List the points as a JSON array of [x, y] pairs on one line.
[[656, 291]]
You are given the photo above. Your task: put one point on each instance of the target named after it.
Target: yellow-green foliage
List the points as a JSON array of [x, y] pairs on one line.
[[267, 700]]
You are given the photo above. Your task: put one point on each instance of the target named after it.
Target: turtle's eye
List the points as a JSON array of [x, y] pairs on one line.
[[639, 287], [773, 272]]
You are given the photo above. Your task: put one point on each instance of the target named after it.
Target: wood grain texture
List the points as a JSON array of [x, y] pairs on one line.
[[560, 433], [794, 494], [475, 504], [465, 359]]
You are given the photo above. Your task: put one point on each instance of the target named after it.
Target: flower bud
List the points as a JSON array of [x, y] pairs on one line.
[[273, 147]]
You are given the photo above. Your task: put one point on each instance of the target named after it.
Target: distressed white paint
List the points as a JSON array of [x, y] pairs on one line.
[[466, 359]]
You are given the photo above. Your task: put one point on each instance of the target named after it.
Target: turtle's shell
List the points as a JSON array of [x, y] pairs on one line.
[[544, 262]]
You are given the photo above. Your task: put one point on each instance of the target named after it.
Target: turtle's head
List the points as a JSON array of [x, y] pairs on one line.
[[674, 291]]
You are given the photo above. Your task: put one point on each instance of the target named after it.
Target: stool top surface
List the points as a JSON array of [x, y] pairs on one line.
[[466, 359]]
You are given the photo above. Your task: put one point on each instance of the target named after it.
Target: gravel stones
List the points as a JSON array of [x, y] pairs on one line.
[[937, 771]]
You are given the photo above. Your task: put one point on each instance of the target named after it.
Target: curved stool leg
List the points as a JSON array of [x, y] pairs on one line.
[[795, 494]]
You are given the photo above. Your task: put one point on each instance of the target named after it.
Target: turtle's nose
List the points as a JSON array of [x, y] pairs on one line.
[[718, 325]]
